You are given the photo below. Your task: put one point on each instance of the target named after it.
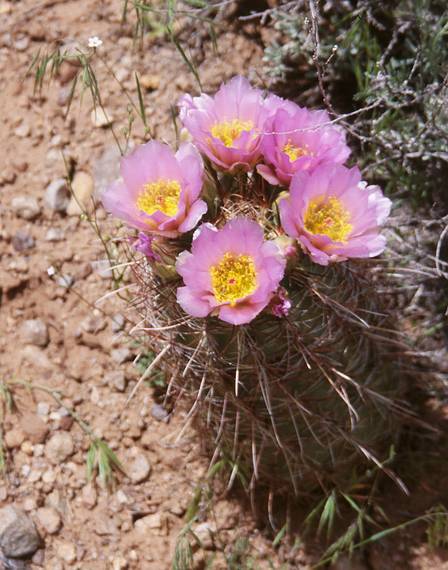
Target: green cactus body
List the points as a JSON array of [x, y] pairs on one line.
[[296, 404]]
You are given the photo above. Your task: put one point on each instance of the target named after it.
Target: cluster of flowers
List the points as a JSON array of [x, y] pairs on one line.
[[233, 271]]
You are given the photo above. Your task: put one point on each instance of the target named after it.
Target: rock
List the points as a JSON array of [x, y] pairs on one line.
[[117, 379], [139, 468], [95, 396], [35, 331], [55, 141], [101, 117], [106, 169], [117, 323], [29, 504], [22, 131], [59, 447], [57, 195], [119, 563], [34, 428], [36, 357], [25, 207], [64, 95], [18, 535], [89, 496], [150, 82], [82, 189], [27, 447], [20, 264], [121, 355], [102, 268], [14, 438], [5, 8], [122, 497], [65, 280], [149, 522], [36, 31], [90, 340], [43, 409], [205, 533], [49, 519], [159, 413], [67, 72], [8, 176], [93, 324], [66, 551], [54, 234], [22, 241], [38, 558], [122, 74], [22, 43], [20, 165]]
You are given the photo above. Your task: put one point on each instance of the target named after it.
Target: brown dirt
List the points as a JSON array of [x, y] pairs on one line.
[[108, 530]]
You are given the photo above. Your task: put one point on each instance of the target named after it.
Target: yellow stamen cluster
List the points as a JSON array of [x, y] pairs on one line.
[[294, 152], [233, 278], [228, 131], [328, 217], [162, 196]]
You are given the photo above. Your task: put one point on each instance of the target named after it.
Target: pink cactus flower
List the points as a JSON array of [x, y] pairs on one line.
[[228, 126], [160, 190], [280, 304], [232, 272], [143, 244], [297, 139], [334, 215]]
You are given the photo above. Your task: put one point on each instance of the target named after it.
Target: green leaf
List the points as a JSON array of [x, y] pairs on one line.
[[140, 101], [328, 514], [279, 536]]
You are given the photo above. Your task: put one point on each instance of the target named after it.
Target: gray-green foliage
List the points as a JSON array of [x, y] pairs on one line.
[[389, 61]]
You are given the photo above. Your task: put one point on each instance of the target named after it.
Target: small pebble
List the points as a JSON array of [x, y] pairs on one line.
[[117, 379], [14, 438], [22, 130], [159, 413], [35, 332], [81, 200], [22, 241], [65, 280], [57, 195], [89, 496], [54, 234], [34, 428], [150, 82], [22, 44], [101, 118], [25, 207], [139, 468], [59, 447], [121, 355], [93, 324], [117, 323], [50, 519], [67, 551], [43, 409]]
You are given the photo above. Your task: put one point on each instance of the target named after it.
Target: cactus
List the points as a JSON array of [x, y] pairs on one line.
[[298, 404], [278, 341]]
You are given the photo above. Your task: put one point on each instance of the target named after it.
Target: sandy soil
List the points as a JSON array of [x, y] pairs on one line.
[[87, 356]]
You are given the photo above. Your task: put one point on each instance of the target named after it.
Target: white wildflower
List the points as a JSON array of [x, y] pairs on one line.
[[94, 42]]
